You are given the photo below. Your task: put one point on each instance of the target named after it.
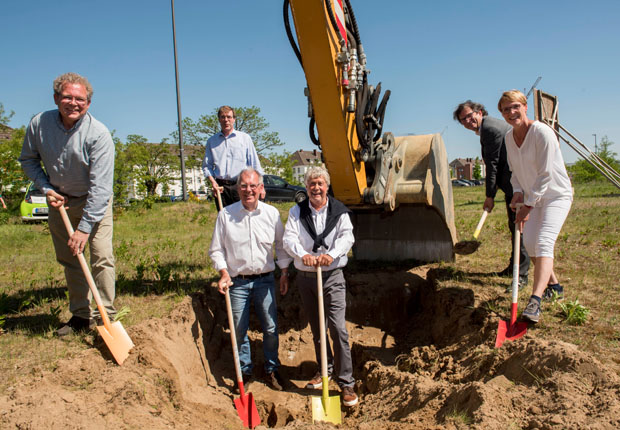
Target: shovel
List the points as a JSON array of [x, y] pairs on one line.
[[326, 407], [514, 330], [113, 334], [246, 408], [467, 247]]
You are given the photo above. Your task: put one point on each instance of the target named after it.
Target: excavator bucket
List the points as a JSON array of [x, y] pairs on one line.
[[416, 220]]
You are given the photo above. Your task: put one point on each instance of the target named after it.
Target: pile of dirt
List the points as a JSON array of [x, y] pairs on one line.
[[423, 356]]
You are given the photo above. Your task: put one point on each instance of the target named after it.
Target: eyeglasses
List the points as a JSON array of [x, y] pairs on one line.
[[246, 187], [467, 117], [511, 107], [68, 99]]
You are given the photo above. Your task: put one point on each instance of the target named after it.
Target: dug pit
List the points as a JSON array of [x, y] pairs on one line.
[[422, 350]]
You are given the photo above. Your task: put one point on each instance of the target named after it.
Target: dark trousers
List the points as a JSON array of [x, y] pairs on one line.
[[229, 195], [334, 300], [524, 258]]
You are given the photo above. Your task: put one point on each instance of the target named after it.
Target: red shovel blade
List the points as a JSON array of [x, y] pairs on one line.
[[246, 408], [507, 331]]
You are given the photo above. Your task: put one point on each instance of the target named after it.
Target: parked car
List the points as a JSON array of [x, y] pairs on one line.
[[278, 190], [34, 206], [460, 183], [201, 194]]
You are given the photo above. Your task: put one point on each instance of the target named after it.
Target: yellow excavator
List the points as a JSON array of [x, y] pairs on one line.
[[398, 188]]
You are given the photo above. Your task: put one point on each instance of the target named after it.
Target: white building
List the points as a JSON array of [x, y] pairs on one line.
[[303, 160]]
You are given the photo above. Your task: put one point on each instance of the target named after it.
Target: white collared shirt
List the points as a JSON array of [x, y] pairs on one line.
[[243, 240], [297, 241], [226, 156]]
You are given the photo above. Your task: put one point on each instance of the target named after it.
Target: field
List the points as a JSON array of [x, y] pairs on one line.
[[436, 347]]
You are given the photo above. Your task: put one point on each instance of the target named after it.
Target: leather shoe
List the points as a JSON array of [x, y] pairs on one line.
[[275, 381]]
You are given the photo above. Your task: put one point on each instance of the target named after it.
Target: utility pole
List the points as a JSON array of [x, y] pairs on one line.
[[595, 148], [176, 76]]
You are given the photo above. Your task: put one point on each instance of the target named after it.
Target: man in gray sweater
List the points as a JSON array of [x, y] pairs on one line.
[[77, 153]]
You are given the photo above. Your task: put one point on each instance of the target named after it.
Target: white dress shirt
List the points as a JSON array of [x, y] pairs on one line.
[[297, 241], [243, 240], [538, 169]]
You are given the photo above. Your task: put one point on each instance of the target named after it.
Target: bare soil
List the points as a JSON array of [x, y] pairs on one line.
[[423, 351]]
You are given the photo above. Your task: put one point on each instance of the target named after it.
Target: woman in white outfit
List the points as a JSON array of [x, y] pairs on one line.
[[541, 184]]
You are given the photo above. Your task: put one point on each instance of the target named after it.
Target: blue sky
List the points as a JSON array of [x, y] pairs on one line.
[[431, 54]]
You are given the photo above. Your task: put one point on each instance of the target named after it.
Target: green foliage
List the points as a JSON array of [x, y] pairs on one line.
[[151, 164], [582, 171], [12, 177], [574, 313], [279, 164], [477, 171], [5, 118], [248, 120]]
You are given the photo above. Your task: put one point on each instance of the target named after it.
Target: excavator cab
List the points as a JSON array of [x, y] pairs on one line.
[[398, 188]]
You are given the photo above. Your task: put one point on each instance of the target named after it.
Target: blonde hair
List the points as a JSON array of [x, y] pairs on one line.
[[512, 96], [72, 78]]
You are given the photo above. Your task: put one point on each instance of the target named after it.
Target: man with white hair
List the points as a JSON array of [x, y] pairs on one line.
[[319, 233]]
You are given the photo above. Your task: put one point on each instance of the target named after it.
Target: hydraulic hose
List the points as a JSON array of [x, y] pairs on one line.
[[289, 33]]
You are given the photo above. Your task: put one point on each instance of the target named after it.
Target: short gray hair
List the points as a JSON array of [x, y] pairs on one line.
[[316, 172], [72, 78], [247, 171]]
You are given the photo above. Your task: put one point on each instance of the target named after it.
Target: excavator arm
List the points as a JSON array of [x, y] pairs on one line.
[[398, 188]]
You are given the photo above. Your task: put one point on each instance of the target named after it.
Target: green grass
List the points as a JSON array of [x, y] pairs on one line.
[[162, 255]]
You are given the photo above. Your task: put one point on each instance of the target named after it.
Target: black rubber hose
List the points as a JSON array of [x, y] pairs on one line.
[[356, 31], [332, 18], [381, 112], [289, 33], [313, 137]]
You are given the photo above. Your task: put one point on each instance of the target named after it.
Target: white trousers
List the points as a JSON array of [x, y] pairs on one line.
[[541, 230]]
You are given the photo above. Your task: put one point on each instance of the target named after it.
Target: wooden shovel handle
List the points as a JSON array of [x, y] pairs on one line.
[[480, 223], [86, 270], [323, 335], [233, 340]]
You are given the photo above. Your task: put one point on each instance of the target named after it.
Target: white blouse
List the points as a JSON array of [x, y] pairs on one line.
[[538, 169]]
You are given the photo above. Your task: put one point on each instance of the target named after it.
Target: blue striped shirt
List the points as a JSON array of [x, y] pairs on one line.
[[226, 157], [77, 162]]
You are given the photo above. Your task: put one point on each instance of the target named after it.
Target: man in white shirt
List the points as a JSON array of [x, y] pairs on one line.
[[227, 153], [319, 232], [242, 252]]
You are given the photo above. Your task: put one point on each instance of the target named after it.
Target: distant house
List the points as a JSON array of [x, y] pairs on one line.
[[5, 132], [303, 160], [463, 168]]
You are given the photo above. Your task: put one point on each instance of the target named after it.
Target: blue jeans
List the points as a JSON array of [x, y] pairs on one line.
[[261, 292]]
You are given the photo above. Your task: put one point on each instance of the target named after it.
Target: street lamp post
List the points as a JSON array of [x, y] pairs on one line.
[[595, 148], [176, 76]]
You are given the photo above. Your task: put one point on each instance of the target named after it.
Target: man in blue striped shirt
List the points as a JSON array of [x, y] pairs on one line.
[[227, 153], [77, 153]]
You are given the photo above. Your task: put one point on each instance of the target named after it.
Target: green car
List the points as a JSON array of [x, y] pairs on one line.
[[34, 206]]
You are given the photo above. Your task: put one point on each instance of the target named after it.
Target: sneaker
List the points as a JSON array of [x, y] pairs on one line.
[[553, 292], [349, 398], [317, 381], [275, 381], [523, 280], [532, 311], [74, 325]]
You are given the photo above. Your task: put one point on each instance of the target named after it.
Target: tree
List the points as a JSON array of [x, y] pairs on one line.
[[279, 164], [5, 118], [152, 164], [582, 171], [12, 177], [477, 169], [248, 120]]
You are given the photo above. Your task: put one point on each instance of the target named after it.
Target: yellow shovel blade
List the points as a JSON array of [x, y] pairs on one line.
[[326, 408], [117, 340]]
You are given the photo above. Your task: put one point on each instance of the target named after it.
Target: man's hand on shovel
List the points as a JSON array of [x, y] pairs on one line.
[[77, 241]]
